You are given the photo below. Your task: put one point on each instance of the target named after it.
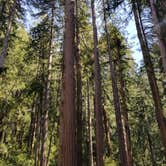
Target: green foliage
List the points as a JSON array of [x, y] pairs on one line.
[[23, 81]]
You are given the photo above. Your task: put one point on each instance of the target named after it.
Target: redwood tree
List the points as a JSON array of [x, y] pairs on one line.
[[98, 94], [78, 86], [68, 116]]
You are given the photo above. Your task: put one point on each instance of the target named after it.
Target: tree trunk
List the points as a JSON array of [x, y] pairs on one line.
[[98, 95], [151, 149], [31, 130], [68, 116], [47, 96], [79, 90], [50, 143], [89, 127], [37, 131], [3, 8], [150, 73], [107, 131], [7, 34], [124, 105], [54, 121], [116, 100], [162, 45]]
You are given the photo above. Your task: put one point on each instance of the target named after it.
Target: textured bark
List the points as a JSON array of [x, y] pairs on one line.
[[150, 73], [68, 115], [124, 105], [91, 163], [98, 95], [116, 100], [79, 90], [162, 45], [47, 96], [3, 53]]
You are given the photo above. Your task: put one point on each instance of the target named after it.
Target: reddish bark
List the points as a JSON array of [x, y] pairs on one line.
[[68, 115], [98, 95]]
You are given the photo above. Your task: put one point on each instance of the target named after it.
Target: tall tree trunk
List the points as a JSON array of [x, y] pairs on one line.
[[151, 149], [98, 95], [50, 142], [47, 96], [150, 73], [124, 104], [7, 34], [54, 121], [68, 115], [162, 45], [37, 131], [89, 127], [116, 100], [3, 8], [31, 130], [107, 131], [79, 90]]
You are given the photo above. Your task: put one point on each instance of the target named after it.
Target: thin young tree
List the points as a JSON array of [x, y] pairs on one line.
[[91, 162], [98, 94]]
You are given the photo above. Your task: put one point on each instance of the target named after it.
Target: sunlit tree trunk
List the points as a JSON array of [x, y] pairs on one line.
[[68, 152], [98, 95], [91, 163]]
